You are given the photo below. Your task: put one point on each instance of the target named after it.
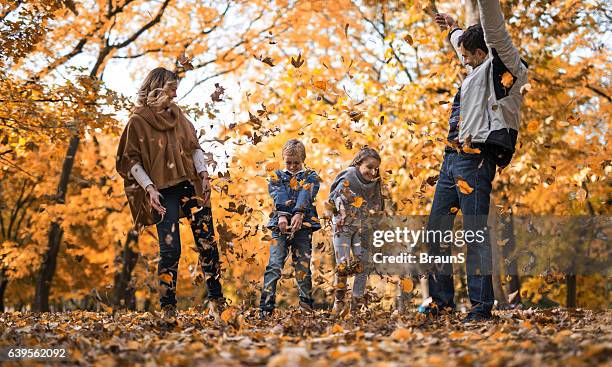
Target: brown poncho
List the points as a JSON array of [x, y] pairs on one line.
[[163, 143]]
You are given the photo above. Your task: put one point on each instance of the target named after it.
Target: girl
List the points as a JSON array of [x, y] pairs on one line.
[[355, 194], [165, 178]]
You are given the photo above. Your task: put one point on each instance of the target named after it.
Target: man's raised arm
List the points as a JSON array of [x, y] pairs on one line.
[[445, 22], [497, 36]]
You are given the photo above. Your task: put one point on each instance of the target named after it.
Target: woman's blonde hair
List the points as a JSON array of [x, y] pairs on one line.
[[151, 90]]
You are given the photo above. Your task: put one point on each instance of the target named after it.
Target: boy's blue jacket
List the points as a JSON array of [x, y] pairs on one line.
[[300, 198]]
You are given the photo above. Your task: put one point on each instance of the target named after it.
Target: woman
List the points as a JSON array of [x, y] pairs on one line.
[[165, 175]]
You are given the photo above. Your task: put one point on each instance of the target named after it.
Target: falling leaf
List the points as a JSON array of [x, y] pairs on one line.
[[469, 150], [297, 62], [266, 60], [218, 93], [454, 210], [185, 62], [293, 183], [358, 202], [507, 79], [345, 183], [321, 84], [464, 187], [408, 38], [431, 180], [166, 278]]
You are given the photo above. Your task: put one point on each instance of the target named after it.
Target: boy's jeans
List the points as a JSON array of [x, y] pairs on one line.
[[301, 251], [478, 171], [181, 197]]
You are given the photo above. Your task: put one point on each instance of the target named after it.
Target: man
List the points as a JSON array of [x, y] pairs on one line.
[[485, 118]]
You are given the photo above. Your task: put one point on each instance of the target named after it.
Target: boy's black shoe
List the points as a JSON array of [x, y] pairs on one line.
[[476, 317]]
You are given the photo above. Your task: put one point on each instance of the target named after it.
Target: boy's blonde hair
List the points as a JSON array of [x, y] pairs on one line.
[[294, 147]]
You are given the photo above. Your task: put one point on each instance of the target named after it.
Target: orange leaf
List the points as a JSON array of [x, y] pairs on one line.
[[293, 183], [358, 202], [407, 285], [166, 278], [401, 334], [507, 79], [464, 187], [532, 126], [321, 84], [470, 150]]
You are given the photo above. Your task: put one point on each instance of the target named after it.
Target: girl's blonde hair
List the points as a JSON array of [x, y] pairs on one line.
[[364, 153], [151, 90], [294, 147]]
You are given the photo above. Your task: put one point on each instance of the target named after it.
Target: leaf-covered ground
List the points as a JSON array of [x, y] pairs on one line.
[[290, 338]]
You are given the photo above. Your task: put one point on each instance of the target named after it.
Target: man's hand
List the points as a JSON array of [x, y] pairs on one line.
[[296, 221], [154, 196], [206, 189], [282, 223], [445, 21]]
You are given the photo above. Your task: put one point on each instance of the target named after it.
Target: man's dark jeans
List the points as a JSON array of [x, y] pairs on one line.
[[301, 250], [478, 171], [182, 197]]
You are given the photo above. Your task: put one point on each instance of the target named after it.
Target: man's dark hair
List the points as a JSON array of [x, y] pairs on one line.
[[473, 39]]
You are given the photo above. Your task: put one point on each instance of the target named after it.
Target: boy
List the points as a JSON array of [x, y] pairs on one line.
[[294, 220]]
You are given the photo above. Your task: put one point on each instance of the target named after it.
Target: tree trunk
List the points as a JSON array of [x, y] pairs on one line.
[[3, 285], [571, 291], [123, 291], [472, 15], [47, 269]]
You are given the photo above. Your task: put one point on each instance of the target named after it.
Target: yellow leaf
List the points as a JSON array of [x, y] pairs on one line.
[[464, 187], [273, 177], [337, 329], [507, 79], [358, 202], [454, 210]]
